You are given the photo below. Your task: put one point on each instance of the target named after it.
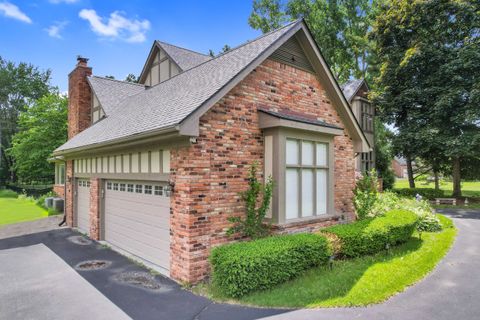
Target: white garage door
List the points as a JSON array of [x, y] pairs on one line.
[[83, 205], [137, 220]]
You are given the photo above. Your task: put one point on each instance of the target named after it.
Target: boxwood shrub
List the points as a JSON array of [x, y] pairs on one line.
[[427, 193], [373, 234], [243, 267]]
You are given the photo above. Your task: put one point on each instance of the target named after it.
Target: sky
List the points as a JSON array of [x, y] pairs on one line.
[[116, 35]]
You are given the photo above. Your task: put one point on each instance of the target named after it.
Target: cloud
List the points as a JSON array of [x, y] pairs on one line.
[[55, 29], [117, 26], [63, 1], [12, 11]]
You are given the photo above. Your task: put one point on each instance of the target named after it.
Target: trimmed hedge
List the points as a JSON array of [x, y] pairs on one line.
[[243, 267], [372, 235], [427, 193]]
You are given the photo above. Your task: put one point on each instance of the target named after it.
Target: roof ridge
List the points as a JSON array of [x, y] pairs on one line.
[[257, 38], [121, 81], [229, 51], [186, 49]]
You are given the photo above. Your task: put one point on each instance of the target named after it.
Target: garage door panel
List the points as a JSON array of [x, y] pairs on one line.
[[138, 222], [160, 201], [139, 230], [83, 205], [139, 217], [146, 210], [157, 257]]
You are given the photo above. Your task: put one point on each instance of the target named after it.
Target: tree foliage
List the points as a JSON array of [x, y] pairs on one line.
[[20, 85], [42, 128], [429, 85], [340, 28], [384, 154]]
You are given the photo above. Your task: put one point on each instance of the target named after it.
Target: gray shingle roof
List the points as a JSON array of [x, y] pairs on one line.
[[184, 58], [170, 102], [350, 88], [111, 92]]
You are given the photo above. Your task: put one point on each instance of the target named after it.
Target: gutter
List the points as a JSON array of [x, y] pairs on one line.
[[128, 139]]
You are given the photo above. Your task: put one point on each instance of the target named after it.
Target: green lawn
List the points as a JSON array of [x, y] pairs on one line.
[[469, 188], [13, 210], [356, 282]]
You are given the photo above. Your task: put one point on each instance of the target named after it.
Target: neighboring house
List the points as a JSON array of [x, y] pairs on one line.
[[356, 92], [155, 168], [399, 166]]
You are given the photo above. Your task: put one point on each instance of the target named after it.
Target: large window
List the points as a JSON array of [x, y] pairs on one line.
[[367, 117], [59, 173], [306, 178], [367, 161]]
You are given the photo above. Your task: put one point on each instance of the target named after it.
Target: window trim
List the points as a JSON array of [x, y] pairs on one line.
[[279, 165]]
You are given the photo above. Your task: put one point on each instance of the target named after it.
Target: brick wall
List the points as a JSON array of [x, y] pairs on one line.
[[209, 174], [95, 208], [59, 190], [69, 181], [79, 118]]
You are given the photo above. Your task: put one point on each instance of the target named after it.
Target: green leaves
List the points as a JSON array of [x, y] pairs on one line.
[[252, 224], [42, 128], [243, 267]]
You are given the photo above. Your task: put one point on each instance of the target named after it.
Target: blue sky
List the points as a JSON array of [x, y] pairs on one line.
[[115, 34]]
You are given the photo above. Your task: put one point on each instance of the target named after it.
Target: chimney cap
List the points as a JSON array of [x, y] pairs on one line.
[[82, 60]]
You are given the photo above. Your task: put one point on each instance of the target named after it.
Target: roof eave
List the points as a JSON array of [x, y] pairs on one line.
[[170, 131]]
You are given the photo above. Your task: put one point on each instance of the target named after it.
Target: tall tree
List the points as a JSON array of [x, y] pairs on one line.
[[429, 86], [42, 128], [131, 78], [20, 85], [340, 28]]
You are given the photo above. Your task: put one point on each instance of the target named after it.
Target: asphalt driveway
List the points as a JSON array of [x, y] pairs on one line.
[[450, 292]]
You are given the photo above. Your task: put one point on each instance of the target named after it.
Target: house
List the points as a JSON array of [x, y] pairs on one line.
[[399, 166], [155, 168]]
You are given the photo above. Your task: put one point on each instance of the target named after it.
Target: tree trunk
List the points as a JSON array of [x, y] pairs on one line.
[[457, 189], [437, 184], [411, 181]]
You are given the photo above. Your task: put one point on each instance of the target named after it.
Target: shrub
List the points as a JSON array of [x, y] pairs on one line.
[[372, 235], [243, 267], [257, 201], [6, 193], [365, 192], [426, 193], [429, 223]]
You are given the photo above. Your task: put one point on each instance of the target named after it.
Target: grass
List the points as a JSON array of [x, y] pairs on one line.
[[469, 188], [14, 208], [356, 282]]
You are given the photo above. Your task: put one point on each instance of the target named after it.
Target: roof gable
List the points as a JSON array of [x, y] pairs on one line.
[[352, 87], [110, 93], [184, 59]]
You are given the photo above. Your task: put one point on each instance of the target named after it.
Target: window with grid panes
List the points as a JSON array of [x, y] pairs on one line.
[[306, 178]]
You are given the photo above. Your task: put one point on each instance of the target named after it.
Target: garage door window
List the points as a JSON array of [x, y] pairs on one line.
[[130, 187], [138, 188], [122, 186], [148, 189], [158, 190], [109, 186], [115, 186]]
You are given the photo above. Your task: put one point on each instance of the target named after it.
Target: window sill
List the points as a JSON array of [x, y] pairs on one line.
[[309, 220]]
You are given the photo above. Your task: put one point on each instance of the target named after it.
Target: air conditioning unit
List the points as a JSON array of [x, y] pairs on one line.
[[49, 202], [58, 204]]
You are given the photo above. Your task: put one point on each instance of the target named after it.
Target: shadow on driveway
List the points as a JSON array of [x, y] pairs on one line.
[[169, 301]]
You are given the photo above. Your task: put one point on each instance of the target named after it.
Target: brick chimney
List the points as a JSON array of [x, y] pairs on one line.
[[79, 98]]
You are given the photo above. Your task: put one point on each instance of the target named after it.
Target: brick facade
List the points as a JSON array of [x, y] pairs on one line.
[[59, 190], [209, 174], [95, 184], [79, 119]]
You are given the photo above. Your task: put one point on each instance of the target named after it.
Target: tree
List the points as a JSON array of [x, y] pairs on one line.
[[20, 85], [42, 128], [384, 154], [131, 78], [340, 28], [429, 85], [226, 48], [211, 53]]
